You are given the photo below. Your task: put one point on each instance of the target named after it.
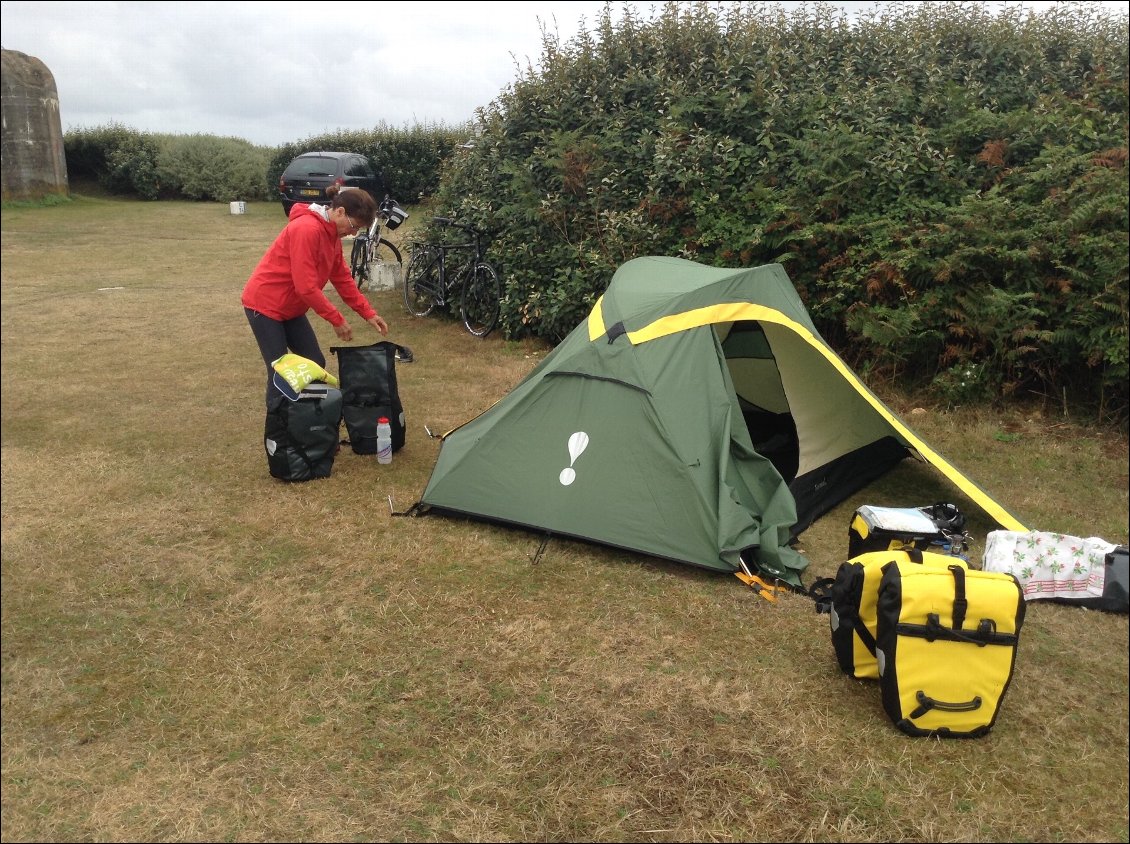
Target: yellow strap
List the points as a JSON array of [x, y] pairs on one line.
[[759, 586]]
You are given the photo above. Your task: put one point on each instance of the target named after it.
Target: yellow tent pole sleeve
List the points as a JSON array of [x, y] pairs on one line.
[[596, 320]]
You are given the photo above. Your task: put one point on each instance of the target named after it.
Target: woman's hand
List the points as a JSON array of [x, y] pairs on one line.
[[344, 332], [378, 323]]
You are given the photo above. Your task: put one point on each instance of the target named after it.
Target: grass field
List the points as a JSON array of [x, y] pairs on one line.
[[195, 651]]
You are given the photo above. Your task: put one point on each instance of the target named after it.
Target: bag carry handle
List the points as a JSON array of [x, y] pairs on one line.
[[960, 603], [402, 353], [926, 703]]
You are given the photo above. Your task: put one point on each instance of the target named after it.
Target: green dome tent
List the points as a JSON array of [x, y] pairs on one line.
[[696, 415]]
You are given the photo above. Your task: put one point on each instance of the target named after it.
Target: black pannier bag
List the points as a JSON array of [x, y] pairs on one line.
[[302, 437], [369, 391]]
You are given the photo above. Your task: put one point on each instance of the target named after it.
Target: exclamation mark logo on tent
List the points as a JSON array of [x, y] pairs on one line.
[[577, 444]]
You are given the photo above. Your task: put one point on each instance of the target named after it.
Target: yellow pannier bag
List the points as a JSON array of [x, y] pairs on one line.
[[854, 601], [945, 644]]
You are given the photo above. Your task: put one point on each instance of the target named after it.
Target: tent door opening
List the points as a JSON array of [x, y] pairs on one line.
[[761, 396]]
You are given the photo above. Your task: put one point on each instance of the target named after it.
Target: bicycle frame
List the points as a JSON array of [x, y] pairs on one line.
[[450, 277], [431, 280]]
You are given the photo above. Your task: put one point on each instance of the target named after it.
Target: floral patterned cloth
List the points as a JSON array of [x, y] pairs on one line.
[[1049, 565]]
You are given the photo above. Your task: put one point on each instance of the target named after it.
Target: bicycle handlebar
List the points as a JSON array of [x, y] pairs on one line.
[[447, 221]]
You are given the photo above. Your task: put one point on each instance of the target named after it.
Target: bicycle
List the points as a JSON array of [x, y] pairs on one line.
[[370, 249], [429, 281]]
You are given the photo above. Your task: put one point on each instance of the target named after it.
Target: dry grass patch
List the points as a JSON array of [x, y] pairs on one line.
[[194, 651]]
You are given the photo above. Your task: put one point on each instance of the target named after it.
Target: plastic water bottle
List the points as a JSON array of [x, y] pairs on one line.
[[384, 440]]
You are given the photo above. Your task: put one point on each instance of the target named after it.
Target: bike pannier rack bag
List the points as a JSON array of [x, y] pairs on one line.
[[854, 604], [302, 437], [946, 647], [896, 528], [395, 214], [369, 391]]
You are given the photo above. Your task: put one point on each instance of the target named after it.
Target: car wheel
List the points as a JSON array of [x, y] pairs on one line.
[[287, 205]]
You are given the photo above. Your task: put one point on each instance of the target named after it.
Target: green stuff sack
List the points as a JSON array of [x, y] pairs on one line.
[[854, 604], [946, 646]]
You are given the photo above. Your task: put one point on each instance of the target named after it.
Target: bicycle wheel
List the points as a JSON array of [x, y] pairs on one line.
[[421, 281], [359, 261], [367, 260], [479, 301], [387, 252]]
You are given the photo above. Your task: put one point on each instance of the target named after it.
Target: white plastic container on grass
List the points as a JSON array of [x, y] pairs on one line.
[[384, 440]]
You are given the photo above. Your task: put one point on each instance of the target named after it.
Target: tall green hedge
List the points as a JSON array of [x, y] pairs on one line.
[[149, 165], [206, 167], [120, 159], [211, 168], [946, 186]]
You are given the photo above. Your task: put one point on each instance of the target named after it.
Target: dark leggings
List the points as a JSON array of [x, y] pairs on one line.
[[277, 337]]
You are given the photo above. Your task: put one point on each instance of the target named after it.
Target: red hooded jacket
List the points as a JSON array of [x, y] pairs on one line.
[[289, 278]]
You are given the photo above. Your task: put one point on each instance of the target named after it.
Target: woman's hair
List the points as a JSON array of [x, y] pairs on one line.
[[357, 203]]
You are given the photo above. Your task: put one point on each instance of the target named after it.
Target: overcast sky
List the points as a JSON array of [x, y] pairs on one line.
[[278, 72]]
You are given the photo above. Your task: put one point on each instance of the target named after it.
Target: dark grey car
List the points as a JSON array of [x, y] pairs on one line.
[[306, 178]]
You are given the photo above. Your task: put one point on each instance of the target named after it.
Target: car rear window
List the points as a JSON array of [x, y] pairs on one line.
[[316, 166], [359, 167]]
